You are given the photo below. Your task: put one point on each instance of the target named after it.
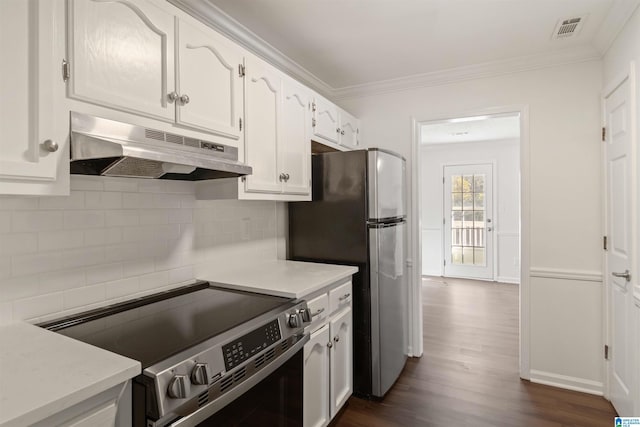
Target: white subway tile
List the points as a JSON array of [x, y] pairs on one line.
[[24, 265], [185, 187], [104, 273], [121, 288], [83, 219], [18, 243], [154, 280], [120, 184], [167, 200], [187, 201], [13, 203], [122, 252], [5, 222], [87, 183], [174, 259], [136, 200], [102, 236], [151, 186], [138, 267], [103, 200], [84, 257], [37, 306], [71, 202], [153, 248], [36, 220], [182, 274], [121, 217], [180, 216], [61, 280], [19, 288], [154, 216], [60, 239], [151, 232], [84, 296]]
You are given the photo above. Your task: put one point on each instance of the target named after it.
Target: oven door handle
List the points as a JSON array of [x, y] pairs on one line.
[[195, 418]]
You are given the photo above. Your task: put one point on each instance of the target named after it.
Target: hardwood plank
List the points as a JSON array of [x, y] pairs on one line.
[[468, 375]]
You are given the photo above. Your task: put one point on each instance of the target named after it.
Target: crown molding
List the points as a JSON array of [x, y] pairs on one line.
[[453, 75], [214, 17], [614, 22]]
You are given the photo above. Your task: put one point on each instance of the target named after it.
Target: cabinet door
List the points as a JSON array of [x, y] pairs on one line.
[[349, 133], [341, 360], [122, 55], [325, 117], [316, 379], [295, 144], [209, 84], [34, 124], [262, 91]]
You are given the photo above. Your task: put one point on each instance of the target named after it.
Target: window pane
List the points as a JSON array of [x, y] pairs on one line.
[[456, 183], [467, 237], [478, 183], [467, 201], [479, 219], [456, 219], [456, 255], [468, 219], [479, 256], [479, 237], [467, 183], [456, 236], [467, 256], [456, 201], [478, 201]]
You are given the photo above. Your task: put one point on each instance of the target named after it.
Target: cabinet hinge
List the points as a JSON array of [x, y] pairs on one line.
[[240, 123], [241, 70], [606, 352], [66, 71], [604, 242], [443, 179], [313, 122], [604, 133], [313, 107], [445, 262], [444, 221]]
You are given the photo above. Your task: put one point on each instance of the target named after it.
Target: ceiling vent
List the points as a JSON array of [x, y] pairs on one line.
[[569, 27]]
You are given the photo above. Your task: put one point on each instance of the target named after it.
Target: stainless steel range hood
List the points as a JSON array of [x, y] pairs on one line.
[[110, 148]]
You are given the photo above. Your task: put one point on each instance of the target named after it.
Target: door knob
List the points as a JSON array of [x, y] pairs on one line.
[[173, 96], [626, 275]]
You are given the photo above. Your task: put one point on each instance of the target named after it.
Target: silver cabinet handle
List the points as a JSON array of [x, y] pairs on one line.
[[173, 96], [336, 338], [286, 177], [282, 177], [50, 145], [320, 310], [626, 275], [329, 344], [184, 99], [344, 297]]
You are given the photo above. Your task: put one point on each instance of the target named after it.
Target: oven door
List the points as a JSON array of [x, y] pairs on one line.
[[275, 400]]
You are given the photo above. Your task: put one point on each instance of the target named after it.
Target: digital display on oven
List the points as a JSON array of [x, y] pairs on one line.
[[236, 352]]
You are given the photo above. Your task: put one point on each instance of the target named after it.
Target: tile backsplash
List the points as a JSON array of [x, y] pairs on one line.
[[115, 238]]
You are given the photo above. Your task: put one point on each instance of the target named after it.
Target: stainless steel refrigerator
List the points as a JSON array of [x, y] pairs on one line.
[[358, 217]]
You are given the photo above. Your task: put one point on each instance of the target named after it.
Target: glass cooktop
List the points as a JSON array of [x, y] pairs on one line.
[[151, 329]]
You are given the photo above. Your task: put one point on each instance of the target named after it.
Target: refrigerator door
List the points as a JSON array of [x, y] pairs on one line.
[[386, 185], [388, 304]]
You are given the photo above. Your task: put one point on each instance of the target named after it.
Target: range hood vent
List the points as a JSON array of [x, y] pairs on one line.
[[110, 148]]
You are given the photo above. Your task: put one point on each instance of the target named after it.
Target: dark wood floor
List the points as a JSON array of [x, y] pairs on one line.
[[468, 375]]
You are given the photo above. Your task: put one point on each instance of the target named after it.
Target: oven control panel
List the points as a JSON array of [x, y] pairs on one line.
[[243, 348]]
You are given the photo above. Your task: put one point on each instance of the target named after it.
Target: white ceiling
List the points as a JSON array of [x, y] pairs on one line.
[[347, 43], [472, 129]]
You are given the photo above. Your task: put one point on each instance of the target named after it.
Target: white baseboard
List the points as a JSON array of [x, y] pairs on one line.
[[514, 280], [567, 382]]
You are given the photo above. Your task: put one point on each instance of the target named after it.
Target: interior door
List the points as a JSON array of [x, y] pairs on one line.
[[468, 224], [618, 256]]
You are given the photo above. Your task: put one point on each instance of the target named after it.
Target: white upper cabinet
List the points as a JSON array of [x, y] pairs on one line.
[[349, 130], [325, 120], [263, 89], [34, 147], [295, 145], [209, 81], [122, 55]]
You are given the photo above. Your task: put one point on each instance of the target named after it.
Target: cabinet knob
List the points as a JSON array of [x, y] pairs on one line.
[[336, 338], [281, 177], [184, 99], [286, 177], [329, 344], [173, 96], [341, 132], [50, 145], [337, 130]]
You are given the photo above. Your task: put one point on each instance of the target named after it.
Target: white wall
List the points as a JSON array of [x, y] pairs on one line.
[[113, 239], [626, 48], [506, 155], [564, 185]]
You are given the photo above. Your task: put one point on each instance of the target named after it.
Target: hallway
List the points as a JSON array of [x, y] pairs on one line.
[[468, 375]]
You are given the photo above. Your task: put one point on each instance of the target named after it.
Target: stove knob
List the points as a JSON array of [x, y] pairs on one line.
[[200, 374], [178, 387], [295, 320], [306, 315]]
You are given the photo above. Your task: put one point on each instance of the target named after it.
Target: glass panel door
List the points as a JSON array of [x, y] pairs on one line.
[[467, 220]]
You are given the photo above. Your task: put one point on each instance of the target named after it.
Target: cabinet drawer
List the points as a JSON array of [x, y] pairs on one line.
[[319, 307], [340, 297]]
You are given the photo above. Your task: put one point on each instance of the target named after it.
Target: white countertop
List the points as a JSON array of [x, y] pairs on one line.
[[290, 279], [43, 373]]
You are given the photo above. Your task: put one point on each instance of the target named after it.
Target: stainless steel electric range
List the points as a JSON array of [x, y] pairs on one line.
[[210, 356]]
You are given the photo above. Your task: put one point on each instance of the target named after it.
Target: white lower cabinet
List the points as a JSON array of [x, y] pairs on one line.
[[328, 356]]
